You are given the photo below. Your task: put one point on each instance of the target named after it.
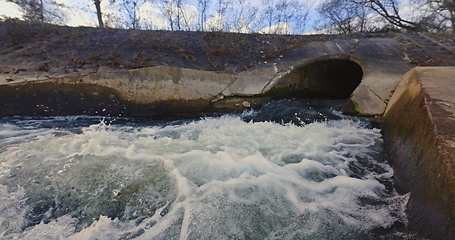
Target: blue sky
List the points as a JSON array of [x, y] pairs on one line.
[[82, 12]]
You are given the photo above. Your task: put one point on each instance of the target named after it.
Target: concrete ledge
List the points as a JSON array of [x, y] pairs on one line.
[[419, 132], [140, 92]]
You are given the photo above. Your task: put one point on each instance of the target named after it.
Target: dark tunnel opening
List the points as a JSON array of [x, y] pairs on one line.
[[328, 78], [332, 78]]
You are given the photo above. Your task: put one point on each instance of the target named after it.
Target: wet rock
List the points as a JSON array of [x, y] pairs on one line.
[[246, 104]]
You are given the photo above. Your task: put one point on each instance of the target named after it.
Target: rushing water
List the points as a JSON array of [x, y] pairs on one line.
[[291, 170]]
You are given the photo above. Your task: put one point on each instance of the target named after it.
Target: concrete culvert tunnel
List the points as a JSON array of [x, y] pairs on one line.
[[328, 78]]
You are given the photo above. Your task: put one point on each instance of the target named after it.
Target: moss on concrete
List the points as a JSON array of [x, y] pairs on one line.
[[356, 106]]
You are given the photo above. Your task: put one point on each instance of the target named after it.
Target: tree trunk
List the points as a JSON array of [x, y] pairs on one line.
[[41, 14], [98, 13]]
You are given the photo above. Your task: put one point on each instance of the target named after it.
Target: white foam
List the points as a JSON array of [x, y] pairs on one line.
[[12, 211], [232, 179]]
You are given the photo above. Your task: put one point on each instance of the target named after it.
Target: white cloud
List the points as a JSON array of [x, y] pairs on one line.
[[111, 14], [280, 28], [215, 23], [77, 18], [152, 17], [191, 14], [77, 14], [10, 10]]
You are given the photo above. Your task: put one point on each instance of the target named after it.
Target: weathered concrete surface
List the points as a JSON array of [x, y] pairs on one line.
[[419, 132], [139, 92], [382, 62], [381, 59], [163, 83], [265, 76]]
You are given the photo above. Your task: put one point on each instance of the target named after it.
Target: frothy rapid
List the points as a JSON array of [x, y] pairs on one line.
[[256, 175]]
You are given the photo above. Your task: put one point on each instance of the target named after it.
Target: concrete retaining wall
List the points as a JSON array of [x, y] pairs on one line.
[[140, 92], [419, 132], [381, 59]]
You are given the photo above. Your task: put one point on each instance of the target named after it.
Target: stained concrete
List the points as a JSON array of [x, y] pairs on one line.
[[419, 132], [140, 92], [381, 60], [384, 64]]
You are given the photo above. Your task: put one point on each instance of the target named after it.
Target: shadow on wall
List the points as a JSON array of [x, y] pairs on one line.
[[326, 78]]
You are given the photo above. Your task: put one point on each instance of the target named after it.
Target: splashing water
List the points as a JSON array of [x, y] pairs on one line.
[[283, 172]]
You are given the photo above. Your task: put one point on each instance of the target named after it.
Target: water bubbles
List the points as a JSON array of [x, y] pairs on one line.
[[115, 192], [271, 173]]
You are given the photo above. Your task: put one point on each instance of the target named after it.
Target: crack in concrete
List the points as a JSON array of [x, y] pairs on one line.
[[384, 101], [354, 47], [220, 96], [273, 80]]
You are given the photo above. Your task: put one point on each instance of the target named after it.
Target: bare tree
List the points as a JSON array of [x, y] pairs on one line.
[[240, 15], [439, 15], [99, 14], [447, 11], [286, 12], [189, 17], [131, 7], [183, 16], [268, 13], [344, 16], [300, 18], [348, 16], [390, 11], [221, 6], [203, 8], [179, 13], [281, 16], [32, 10], [431, 15], [40, 10], [449, 6], [169, 11]]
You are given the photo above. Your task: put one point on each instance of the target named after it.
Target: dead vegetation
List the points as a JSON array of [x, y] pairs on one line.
[[417, 55], [68, 49]]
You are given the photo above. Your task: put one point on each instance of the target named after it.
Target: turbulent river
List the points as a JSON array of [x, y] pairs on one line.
[[290, 170]]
